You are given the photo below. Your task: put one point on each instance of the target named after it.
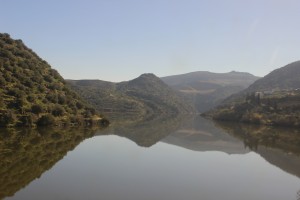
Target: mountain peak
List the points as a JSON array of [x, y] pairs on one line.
[[147, 76], [286, 77], [146, 79], [142, 96]]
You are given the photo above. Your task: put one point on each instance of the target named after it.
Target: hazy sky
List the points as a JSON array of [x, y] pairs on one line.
[[120, 39]]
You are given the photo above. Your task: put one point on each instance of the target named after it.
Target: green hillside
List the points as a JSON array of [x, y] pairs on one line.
[[32, 93], [272, 100], [144, 95]]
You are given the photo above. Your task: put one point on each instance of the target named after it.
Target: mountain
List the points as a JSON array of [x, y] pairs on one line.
[[286, 77], [272, 100], [142, 96], [32, 93], [205, 90]]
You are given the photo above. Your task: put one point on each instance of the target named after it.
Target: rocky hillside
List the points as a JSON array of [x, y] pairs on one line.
[[32, 93], [144, 95], [206, 90]]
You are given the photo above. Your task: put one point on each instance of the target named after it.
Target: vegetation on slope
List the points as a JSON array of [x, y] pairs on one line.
[[144, 95], [272, 100], [31, 93], [281, 108]]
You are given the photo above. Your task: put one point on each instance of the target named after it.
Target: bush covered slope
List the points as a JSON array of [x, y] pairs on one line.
[[32, 93], [144, 95], [272, 100]]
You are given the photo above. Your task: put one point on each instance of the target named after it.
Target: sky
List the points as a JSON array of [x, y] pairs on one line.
[[117, 40]]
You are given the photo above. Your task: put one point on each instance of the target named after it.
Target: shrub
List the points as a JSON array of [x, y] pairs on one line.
[[25, 120], [7, 118], [46, 120], [61, 99], [58, 110], [37, 109], [79, 105]]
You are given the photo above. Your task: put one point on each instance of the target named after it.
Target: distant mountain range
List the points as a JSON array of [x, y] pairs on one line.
[[206, 90], [142, 96], [272, 100]]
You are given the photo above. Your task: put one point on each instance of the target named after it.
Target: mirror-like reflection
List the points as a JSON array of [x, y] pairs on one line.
[[200, 134], [145, 131], [278, 145], [187, 157], [25, 154]]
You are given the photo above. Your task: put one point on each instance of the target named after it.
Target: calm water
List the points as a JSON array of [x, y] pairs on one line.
[[160, 159]]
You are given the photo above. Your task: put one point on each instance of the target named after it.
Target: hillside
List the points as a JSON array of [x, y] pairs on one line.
[[32, 93], [206, 90], [146, 94], [286, 77], [272, 100]]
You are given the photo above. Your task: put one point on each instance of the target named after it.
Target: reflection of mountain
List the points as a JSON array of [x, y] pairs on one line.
[[146, 131], [201, 135], [286, 161], [26, 154], [279, 146]]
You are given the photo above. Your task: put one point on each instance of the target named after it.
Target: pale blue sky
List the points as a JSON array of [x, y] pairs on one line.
[[118, 40]]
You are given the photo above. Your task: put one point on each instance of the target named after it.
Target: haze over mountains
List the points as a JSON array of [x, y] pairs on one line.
[[206, 90]]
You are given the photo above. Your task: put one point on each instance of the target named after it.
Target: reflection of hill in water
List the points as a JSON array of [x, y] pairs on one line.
[[279, 146], [146, 131], [199, 134], [26, 154]]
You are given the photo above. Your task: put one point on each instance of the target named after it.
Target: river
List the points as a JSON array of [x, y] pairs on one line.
[[164, 158]]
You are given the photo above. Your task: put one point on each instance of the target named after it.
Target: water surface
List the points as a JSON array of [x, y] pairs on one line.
[[175, 158]]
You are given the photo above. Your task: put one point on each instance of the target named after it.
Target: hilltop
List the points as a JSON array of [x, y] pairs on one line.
[[32, 93], [206, 90], [142, 96], [272, 100], [286, 77]]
